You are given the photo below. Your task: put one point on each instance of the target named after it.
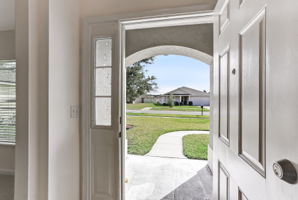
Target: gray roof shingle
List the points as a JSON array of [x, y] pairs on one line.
[[187, 91]]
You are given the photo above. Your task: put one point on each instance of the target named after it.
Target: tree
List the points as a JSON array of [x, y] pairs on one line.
[[137, 82]]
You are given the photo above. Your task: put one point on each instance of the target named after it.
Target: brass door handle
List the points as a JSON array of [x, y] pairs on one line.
[[285, 170]]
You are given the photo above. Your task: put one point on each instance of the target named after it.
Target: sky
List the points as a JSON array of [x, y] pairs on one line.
[[174, 71]]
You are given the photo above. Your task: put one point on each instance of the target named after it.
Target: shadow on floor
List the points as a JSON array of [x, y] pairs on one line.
[[6, 187], [199, 187]]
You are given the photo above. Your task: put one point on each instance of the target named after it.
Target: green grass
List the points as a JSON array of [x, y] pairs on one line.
[[146, 130], [179, 108], [196, 146], [139, 106], [167, 115]]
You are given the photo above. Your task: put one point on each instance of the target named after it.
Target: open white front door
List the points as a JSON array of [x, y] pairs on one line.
[[256, 90], [101, 111]]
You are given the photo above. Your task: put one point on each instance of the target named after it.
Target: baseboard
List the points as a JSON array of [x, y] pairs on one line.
[[210, 158], [6, 172]]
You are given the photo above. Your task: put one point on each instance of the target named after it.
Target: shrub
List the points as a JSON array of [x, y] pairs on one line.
[[190, 103], [176, 103], [170, 101], [157, 103]]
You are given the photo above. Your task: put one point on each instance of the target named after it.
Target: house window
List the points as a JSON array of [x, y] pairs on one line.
[[7, 101], [102, 96]]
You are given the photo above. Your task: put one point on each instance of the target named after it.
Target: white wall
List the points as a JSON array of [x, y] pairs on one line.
[[7, 52], [64, 145], [7, 45], [7, 159], [31, 162], [47, 149]]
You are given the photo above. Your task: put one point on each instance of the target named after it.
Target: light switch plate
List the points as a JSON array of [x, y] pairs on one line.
[[74, 111]]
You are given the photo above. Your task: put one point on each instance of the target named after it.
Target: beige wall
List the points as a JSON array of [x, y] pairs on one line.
[[7, 45], [112, 7]]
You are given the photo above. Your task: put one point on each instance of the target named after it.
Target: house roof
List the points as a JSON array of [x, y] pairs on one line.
[[187, 91]]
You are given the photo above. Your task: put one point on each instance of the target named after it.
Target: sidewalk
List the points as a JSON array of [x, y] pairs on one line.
[[170, 144]]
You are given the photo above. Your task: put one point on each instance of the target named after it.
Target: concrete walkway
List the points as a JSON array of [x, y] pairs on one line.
[[169, 145], [169, 112], [155, 178], [147, 108]]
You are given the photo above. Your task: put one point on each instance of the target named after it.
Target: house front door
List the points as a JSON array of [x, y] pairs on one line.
[[256, 90]]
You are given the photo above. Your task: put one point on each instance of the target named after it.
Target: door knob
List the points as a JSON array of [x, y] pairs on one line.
[[285, 170]]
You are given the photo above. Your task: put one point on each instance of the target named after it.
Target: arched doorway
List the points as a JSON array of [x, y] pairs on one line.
[[151, 52]]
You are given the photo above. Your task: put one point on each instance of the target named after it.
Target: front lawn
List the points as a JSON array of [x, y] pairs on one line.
[[146, 130], [139, 106], [196, 146], [180, 108], [167, 115]]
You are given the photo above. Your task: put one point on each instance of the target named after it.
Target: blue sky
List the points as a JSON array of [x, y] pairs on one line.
[[174, 71]]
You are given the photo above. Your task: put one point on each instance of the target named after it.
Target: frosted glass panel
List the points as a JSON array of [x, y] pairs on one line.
[[103, 78], [103, 111], [103, 52]]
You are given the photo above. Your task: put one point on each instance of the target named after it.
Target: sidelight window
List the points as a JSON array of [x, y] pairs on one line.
[[103, 82]]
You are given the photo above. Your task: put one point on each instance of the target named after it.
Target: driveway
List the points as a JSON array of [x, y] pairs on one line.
[[169, 112]]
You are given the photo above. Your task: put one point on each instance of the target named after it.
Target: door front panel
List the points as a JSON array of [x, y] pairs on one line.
[[262, 84]]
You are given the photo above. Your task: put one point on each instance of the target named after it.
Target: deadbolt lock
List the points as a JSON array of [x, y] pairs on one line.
[[285, 170]]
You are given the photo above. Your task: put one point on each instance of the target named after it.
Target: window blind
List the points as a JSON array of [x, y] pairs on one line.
[[7, 101]]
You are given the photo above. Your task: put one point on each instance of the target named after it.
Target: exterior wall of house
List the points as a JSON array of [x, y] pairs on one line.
[[112, 7], [200, 101], [140, 39], [7, 52], [197, 101]]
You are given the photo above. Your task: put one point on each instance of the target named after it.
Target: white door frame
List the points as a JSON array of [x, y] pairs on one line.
[[153, 19]]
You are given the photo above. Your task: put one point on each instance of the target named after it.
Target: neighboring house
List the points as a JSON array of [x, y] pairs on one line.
[[183, 95]]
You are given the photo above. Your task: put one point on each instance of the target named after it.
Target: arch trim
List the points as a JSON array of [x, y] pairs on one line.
[[168, 49]]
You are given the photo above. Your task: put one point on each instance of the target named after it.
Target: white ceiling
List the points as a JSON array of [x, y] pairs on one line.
[[7, 15]]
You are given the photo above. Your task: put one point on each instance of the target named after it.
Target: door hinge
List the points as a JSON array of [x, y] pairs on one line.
[[120, 120], [120, 134]]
